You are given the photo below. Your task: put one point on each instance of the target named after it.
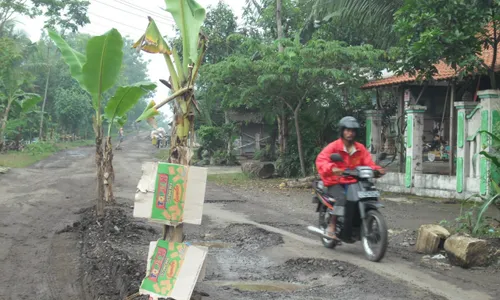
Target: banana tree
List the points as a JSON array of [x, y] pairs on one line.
[[10, 93], [97, 71], [188, 16]]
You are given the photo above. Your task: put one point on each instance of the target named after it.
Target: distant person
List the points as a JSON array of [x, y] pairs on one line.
[[120, 137]]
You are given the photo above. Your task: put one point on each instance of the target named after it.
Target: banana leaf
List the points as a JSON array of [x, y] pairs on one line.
[[30, 101], [74, 59], [188, 16], [149, 112], [125, 98], [152, 41], [103, 65]]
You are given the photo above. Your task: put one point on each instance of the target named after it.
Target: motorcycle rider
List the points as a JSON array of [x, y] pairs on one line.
[[354, 154]]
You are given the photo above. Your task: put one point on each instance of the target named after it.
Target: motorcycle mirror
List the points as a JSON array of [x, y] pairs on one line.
[[335, 157]]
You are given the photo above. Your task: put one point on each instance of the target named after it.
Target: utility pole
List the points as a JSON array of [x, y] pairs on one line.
[[40, 135], [279, 25]]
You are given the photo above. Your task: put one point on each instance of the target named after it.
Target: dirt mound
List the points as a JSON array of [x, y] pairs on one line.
[[114, 252]]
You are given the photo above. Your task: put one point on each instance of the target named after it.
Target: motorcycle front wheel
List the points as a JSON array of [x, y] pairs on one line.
[[375, 241]]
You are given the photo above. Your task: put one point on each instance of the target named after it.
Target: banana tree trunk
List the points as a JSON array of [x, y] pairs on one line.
[[109, 173], [100, 170], [4, 124], [180, 152]]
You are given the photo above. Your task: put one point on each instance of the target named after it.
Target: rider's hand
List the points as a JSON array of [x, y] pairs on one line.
[[381, 172], [337, 171]]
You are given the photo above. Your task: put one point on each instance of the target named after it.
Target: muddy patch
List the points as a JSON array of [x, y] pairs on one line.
[[114, 252], [261, 286]]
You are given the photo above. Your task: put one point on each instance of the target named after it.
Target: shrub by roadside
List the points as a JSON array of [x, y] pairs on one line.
[[35, 152]]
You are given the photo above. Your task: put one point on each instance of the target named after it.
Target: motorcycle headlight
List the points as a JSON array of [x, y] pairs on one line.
[[366, 173]]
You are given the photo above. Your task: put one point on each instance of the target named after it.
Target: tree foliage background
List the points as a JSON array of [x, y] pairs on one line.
[[39, 64], [313, 83]]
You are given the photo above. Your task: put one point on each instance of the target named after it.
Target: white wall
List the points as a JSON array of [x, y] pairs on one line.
[[428, 185]]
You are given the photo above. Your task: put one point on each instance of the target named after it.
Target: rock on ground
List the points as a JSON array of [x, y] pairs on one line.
[[430, 237], [467, 252], [258, 169]]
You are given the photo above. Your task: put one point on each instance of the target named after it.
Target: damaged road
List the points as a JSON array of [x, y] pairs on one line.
[[53, 247]]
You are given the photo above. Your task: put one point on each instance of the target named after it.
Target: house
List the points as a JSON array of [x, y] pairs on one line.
[[252, 133], [446, 108]]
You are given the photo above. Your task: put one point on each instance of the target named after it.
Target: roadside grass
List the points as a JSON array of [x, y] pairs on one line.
[[36, 152]]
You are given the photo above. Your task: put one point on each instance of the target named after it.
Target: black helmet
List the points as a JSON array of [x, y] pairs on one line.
[[348, 123]]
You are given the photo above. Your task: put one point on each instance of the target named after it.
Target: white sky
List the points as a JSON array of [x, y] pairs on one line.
[[130, 18]]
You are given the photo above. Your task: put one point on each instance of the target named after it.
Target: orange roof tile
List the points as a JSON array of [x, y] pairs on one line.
[[444, 71]]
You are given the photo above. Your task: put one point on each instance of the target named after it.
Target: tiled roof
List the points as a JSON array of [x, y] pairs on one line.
[[444, 71]]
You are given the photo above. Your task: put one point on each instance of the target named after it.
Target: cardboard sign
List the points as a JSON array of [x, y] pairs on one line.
[[171, 194], [173, 270]]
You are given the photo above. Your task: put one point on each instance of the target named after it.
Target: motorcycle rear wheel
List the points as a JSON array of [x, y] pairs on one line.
[[378, 237], [324, 219]]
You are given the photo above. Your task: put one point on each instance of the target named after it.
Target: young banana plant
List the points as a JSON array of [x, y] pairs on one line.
[[188, 16], [97, 71]]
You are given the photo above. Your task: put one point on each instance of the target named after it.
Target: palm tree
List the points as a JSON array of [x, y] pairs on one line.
[[375, 15]]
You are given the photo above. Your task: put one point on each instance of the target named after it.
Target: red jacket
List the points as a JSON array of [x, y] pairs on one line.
[[361, 157]]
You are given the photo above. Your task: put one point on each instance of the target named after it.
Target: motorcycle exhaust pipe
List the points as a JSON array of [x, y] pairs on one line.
[[317, 231]]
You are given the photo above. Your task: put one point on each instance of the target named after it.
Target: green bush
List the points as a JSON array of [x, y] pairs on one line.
[[222, 158], [214, 138], [41, 147]]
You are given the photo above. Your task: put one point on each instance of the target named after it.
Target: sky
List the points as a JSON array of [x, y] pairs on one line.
[[130, 18]]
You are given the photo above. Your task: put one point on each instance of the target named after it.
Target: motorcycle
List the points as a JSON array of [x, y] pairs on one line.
[[358, 219]]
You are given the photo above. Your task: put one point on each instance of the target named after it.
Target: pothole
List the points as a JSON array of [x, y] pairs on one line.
[[264, 286]]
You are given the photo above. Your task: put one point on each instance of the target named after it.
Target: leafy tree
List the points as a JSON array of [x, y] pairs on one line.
[[11, 93], [262, 14], [73, 109], [308, 79], [218, 26], [97, 71], [452, 31], [66, 14], [13, 81]]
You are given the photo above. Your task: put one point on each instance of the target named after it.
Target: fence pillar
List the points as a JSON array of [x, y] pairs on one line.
[[414, 144], [373, 131], [490, 117], [257, 142], [463, 147]]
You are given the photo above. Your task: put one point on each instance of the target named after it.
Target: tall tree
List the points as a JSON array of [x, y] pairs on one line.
[[65, 14], [372, 20], [218, 26]]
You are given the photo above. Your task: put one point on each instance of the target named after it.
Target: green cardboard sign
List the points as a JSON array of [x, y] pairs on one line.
[[165, 265], [170, 193]]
